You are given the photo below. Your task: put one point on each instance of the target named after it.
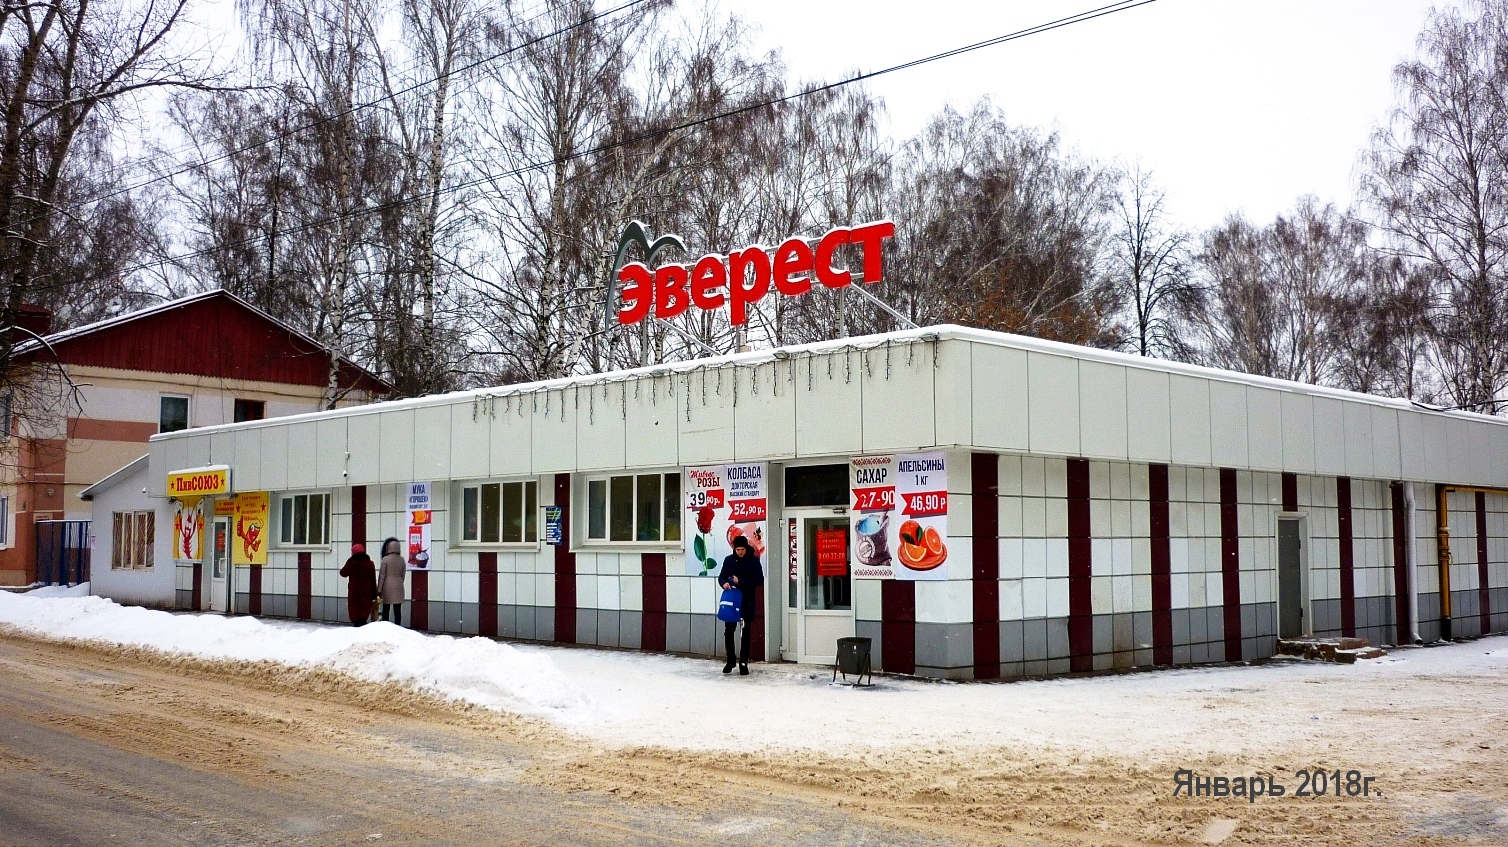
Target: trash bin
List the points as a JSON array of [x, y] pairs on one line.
[[853, 660]]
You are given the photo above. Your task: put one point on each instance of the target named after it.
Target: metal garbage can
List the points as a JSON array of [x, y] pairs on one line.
[[853, 660]]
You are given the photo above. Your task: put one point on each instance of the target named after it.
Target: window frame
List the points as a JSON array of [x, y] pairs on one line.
[[133, 521], [281, 521], [670, 512], [188, 411], [479, 501], [236, 404], [4, 522]]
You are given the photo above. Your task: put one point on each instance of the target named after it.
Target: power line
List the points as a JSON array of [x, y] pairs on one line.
[[1081, 17], [189, 168]]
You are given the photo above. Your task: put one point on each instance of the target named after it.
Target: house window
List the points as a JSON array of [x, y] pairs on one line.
[[500, 512], [173, 413], [249, 410], [304, 520], [133, 534], [640, 507], [4, 416], [4, 521]]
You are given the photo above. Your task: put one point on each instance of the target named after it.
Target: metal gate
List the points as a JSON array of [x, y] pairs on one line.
[[62, 552]]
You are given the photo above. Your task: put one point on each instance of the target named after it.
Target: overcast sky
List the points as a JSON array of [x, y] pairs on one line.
[[1233, 104]]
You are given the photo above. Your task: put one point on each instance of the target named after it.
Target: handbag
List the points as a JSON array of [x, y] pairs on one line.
[[730, 606]]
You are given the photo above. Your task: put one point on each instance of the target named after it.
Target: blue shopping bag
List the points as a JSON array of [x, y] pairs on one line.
[[728, 608]]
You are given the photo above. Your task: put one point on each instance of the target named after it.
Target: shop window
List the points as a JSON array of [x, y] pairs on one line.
[[173, 413], [131, 542], [639, 507], [304, 520], [500, 512], [249, 410], [816, 485]]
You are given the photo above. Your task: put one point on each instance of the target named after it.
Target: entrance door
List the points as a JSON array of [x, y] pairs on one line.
[[219, 567], [819, 589], [1290, 579]]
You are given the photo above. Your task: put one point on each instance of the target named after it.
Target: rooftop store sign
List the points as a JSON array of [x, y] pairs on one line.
[[199, 482], [743, 277]]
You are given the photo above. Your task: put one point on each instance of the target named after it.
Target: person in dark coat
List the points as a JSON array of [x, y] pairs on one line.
[[741, 570], [361, 590]]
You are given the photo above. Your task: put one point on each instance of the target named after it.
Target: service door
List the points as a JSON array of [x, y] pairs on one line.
[[819, 588], [219, 566], [1291, 623]]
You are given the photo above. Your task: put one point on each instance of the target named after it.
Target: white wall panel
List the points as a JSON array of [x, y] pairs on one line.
[[1387, 460], [396, 463], [953, 381], [364, 434], [601, 421], [1358, 434], [246, 465], [708, 435], [829, 409], [273, 446], [1329, 437], [470, 438], [432, 442], [1149, 430], [553, 424], [303, 447], [1102, 407], [1053, 392], [1264, 428], [1298, 432], [1189, 402], [999, 379], [1228, 437], [653, 424], [330, 448], [1437, 448], [898, 399], [509, 427], [764, 416]]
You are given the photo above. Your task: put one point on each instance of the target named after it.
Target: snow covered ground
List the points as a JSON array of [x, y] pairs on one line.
[[626, 698]]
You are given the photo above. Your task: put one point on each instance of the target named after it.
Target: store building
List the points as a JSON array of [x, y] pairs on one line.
[[981, 505], [201, 360]]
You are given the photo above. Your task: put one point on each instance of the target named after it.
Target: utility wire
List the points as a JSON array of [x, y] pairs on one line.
[[1081, 17], [350, 110]]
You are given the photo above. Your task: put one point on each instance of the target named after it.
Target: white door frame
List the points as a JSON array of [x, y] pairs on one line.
[[794, 631], [219, 562]]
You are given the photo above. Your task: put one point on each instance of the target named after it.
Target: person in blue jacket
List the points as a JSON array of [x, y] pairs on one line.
[[741, 570]]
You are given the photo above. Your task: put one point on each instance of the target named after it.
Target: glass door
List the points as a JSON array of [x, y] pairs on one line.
[[219, 566], [819, 589]]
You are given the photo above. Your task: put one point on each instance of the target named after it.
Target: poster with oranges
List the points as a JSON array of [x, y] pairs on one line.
[[899, 506]]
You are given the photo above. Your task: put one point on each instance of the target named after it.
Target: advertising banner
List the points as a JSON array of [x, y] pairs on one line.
[[420, 524], [900, 516], [188, 532], [832, 552], [722, 503], [250, 547], [193, 483]]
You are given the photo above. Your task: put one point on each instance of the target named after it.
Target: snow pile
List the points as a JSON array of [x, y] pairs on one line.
[[475, 670], [80, 590]]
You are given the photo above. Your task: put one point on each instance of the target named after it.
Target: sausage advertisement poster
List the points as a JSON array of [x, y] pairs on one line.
[[722, 503], [899, 507]]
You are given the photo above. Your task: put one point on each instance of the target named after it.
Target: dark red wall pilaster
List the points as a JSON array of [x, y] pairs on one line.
[[653, 567], [1080, 569], [305, 586], [898, 626], [1230, 564], [254, 597], [565, 566], [1401, 567], [419, 613], [984, 472], [486, 613], [1347, 556], [1485, 600], [1162, 565]]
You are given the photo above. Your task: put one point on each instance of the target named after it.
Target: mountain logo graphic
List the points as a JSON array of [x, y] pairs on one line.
[[635, 233]]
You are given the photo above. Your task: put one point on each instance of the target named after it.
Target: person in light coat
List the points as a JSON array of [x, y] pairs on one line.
[[390, 581]]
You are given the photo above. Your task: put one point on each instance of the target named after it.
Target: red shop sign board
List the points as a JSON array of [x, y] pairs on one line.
[[832, 552]]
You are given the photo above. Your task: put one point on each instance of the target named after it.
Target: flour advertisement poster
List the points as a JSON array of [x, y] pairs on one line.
[[722, 503], [899, 507], [420, 525]]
